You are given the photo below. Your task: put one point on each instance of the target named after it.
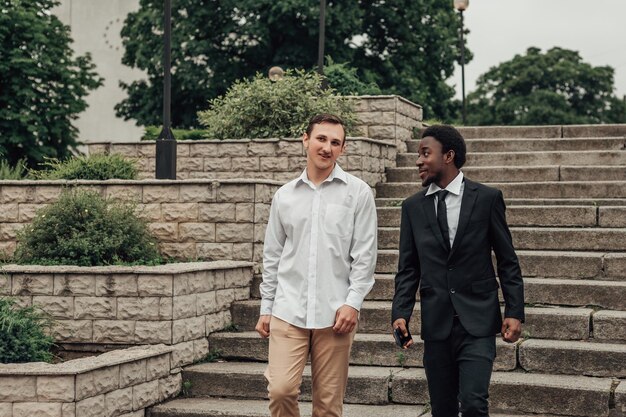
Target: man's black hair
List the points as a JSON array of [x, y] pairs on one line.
[[450, 139]]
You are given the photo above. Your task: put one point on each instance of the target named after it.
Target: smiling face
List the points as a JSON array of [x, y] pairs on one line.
[[434, 165], [323, 146]]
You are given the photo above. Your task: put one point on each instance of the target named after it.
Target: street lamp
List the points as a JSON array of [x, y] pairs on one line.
[[461, 6], [276, 73], [320, 43], [166, 144]]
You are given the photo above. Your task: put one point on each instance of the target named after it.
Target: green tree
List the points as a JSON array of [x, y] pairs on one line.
[[42, 84], [555, 87], [407, 47]]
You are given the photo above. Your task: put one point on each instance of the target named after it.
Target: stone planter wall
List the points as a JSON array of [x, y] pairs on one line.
[[173, 304], [119, 383], [275, 159], [193, 219]]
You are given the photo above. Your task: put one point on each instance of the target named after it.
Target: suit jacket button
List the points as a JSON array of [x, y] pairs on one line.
[[452, 291]]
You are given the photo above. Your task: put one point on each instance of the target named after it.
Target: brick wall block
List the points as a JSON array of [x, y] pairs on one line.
[[37, 409], [47, 193], [124, 285], [124, 192], [55, 388], [262, 148], [182, 354], [178, 250], [225, 298], [158, 367], [160, 193], [215, 251], [98, 381], [200, 281], [202, 149], [234, 232], [18, 388], [244, 212], [68, 409], [113, 331], [184, 306], [246, 163], [75, 284], [170, 386], [235, 193], [68, 331], [138, 308], [133, 373], [27, 212], [217, 164], [223, 212], [242, 252], [118, 401], [288, 148], [237, 277], [155, 285], [382, 132], [35, 284], [9, 213], [5, 285], [94, 308], [242, 293], [91, 407], [57, 307], [151, 332], [200, 348], [189, 164], [187, 329], [232, 149], [274, 164], [197, 232], [382, 104], [149, 212], [16, 194], [197, 193], [206, 303], [259, 233], [180, 212]]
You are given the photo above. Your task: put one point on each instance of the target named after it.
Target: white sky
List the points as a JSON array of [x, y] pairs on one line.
[[500, 29]]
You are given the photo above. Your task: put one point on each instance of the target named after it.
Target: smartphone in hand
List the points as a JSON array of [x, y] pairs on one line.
[[401, 340]]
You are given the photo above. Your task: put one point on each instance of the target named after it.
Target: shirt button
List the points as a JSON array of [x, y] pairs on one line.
[[452, 291]]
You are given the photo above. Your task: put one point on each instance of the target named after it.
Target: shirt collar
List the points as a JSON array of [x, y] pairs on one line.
[[336, 173], [454, 187]]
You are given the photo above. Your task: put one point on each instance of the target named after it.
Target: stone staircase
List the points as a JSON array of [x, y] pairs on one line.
[[566, 205]]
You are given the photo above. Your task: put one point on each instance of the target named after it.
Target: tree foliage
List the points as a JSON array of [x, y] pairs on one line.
[[42, 84], [555, 87], [407, 47]]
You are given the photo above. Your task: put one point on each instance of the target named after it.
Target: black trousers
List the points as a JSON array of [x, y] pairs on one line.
[[458, 371]]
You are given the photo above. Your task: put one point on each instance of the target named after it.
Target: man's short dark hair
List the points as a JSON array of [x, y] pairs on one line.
[[450, 139], [326, 118]]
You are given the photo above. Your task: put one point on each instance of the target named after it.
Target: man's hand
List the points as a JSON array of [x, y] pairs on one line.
[[263, 325], [401, 324], [511, 330], [346, 319]]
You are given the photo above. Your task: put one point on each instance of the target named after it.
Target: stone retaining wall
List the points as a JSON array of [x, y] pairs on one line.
[[192, 219], [174, 304], [118, 383], [275, 159]]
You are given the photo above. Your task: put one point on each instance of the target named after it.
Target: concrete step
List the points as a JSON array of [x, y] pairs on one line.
[[536, 144], [522, 173], [226, 407], [573, 358], [367, 350], [546, 264], [475, 159], [596, 202], [503, 132], [524, 190], [510, 391], [542, 238], [541, 322], [562, 216]]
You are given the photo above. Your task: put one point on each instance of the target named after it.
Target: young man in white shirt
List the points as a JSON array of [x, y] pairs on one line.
[[318, 265]]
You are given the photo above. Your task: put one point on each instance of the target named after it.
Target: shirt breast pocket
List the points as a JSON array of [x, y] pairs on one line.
[[338, 220]]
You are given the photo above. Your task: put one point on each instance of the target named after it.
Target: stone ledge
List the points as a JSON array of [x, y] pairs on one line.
[[258, 140], [171, 268], [82, 365], [139, 182]]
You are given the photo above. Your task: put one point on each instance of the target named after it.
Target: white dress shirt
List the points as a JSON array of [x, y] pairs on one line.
[[320, 249], [453, 202]]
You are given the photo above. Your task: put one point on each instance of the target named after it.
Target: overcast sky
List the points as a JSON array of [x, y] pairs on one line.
[[500, 29]]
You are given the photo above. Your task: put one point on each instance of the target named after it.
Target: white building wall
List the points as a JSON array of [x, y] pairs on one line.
[[96, 26]]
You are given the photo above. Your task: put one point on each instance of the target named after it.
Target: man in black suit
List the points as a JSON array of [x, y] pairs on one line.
[[447, 234]]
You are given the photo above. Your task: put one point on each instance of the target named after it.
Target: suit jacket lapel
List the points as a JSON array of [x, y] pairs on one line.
[[428, 205], [467, 205]]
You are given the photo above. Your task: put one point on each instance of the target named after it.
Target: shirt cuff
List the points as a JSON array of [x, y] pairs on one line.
[[266, 307], [354, 300]]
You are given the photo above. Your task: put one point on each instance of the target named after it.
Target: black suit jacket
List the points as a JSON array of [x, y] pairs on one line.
[[462, 279]]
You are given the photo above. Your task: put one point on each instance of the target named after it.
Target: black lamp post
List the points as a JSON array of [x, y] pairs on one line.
[[461, 6], [320, 43], [166, 144]]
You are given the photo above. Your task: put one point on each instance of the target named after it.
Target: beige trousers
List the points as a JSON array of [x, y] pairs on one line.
[[289, 349]]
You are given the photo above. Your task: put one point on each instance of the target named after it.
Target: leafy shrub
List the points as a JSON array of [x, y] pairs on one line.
[[261, 108], [10, 172], [23, 335], [84, 229], [345, 80], [93, 167], [152, 133]]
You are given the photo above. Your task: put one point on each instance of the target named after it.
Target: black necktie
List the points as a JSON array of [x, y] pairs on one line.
[[442, 216]]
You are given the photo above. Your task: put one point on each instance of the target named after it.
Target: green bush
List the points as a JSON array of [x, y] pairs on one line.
[[152, 133], [94, 167], [345, 80], [23, 335], [10, 172], [84, 229], [261, 108]]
